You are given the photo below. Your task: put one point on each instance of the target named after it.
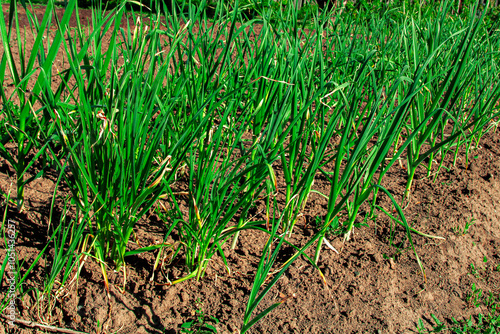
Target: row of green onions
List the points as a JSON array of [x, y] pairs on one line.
[[200, 125]]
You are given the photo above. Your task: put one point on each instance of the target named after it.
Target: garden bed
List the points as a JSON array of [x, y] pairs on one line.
[[373, 284]]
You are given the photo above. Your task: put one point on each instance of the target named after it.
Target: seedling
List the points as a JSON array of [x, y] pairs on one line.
[[203, 324], [460, 232], [474, 272], [478, 324]]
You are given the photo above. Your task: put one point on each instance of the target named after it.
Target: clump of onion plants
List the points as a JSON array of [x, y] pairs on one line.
[[113, 133], [458, 90], [25, 113]]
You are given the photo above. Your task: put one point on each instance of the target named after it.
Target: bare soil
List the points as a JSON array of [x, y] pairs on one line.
[[373, 286]]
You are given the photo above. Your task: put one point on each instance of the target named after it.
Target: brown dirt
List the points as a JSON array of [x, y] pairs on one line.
[[372, 286]]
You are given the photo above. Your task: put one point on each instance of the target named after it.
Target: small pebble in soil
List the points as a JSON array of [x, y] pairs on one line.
[[392, 263], [377, 257]]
